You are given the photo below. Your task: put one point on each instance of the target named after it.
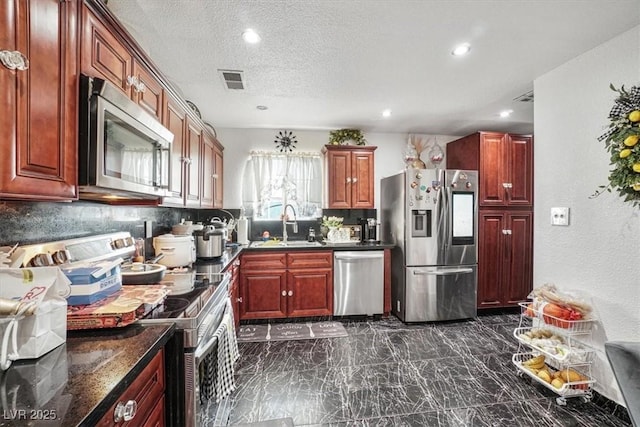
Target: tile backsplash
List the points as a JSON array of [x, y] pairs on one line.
[[36, 222]]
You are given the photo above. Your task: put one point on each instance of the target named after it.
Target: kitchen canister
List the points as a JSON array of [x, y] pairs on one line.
[[179, 251]]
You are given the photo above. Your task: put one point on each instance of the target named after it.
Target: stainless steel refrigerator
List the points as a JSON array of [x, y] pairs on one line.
[[431, 215]]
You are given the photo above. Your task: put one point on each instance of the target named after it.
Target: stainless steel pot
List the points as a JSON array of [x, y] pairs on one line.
[[210, 241]]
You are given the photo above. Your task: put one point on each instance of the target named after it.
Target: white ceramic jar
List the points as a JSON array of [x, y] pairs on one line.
[[179, 251]]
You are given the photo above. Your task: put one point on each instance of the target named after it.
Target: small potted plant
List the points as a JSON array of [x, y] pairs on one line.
[[346, 137]]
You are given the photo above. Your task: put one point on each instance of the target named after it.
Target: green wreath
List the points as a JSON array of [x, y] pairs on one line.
[[622, 141], [338, 137]]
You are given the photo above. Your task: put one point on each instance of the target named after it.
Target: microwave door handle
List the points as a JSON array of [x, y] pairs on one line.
[[158, 179]]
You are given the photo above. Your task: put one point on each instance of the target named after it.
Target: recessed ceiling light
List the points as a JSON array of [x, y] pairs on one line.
[[386, 113], [505, 113], [250, 36], [461, 49], [262, 107]]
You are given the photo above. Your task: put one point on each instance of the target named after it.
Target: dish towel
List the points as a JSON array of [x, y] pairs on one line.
[[208, 374], [231, 329], [225, 382]]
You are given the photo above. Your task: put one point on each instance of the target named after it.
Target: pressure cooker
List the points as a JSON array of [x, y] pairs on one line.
[[211, 240]]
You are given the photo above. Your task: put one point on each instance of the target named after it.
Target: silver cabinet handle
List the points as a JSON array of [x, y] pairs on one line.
[[14, 60], [507, 185], [290, 293], [125, 411], [443, 272], [284, 293], [131, 81], [348, 180], [508, 232], [140, 87], [354, 180], [239, 299]]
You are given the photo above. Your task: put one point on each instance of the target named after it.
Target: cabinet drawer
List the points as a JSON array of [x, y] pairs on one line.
[[313, 259], [264, 261], [146, 390]]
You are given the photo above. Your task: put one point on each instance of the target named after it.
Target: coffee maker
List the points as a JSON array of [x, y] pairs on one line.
[[368, 230]]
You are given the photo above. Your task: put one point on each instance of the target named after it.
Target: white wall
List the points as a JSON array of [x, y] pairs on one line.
[[599, 252], [238, 143]]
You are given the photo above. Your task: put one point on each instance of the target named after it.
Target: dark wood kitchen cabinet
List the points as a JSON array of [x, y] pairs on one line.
[[234, 290], [350, 176], [263, 279], [505, 270], [175, 119], [39, 120], [147, 391], [211, 185], [504, 163], [106, 56], [286, 284]]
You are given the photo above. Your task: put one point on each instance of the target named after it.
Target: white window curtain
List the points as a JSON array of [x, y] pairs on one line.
[[273, 180]]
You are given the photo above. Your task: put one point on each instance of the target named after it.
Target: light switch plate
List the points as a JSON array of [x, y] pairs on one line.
[[559, 216]]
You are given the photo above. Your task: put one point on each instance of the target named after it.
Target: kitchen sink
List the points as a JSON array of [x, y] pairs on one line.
[[281, 244]]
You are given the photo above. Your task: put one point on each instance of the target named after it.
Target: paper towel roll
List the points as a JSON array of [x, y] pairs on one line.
[[243, 229]]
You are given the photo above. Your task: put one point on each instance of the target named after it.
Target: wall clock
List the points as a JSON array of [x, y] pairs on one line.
[[285, 141]]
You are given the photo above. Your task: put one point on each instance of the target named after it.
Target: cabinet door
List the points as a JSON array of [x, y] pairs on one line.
[[493, 170], [310, 292], [362, 180], [38, 123], [103, 55], [492, 255], [147, 92], [264, 294], [208, 168], [218, 174], [339, 179], [520, 160], [175, 119], [146, 390], [518, 280], [192, 159]]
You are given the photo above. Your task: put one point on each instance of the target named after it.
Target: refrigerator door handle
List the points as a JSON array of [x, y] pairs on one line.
[[446, 272]]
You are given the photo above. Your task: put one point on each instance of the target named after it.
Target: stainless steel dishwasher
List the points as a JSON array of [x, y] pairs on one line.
[[358, 283]]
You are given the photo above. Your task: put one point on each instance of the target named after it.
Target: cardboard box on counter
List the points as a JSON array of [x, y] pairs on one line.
[[93, 283]]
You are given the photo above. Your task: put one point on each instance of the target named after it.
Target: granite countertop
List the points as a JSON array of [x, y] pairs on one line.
[[77, 382], [347, 246]]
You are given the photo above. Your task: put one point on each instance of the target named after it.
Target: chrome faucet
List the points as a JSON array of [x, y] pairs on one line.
[[285, 221]]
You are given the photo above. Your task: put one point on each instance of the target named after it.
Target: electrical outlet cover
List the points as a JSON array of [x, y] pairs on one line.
[[559, 216]]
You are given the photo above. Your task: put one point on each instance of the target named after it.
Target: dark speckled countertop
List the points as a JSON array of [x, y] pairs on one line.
[[76, 383], [350, 246]]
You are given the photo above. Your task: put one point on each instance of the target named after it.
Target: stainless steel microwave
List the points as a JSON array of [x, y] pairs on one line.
[[124, 152]]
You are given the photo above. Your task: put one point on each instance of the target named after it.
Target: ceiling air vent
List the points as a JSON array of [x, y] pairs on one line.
[[233, 79], [526, 97]]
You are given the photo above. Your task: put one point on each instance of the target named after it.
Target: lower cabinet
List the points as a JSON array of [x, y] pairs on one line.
[[505, 259], [286, 284], [142, 403]]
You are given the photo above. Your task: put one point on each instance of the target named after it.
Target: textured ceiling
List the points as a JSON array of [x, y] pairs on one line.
[[327, 64]]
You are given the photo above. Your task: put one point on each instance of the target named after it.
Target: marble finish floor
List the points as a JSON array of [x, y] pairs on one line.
[[386, 373]]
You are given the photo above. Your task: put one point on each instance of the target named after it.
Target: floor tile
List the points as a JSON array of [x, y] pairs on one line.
[[388, 373]]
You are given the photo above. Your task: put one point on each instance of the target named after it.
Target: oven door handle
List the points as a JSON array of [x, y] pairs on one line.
[[203, 350]]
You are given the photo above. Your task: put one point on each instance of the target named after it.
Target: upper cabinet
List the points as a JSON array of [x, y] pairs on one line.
[[105, 56], [109, 52], [505, 165], [38, 83], [350, 174], [211, 195]]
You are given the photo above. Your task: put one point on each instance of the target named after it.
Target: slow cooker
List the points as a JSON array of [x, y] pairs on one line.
[[179, 251], [211, 241]]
